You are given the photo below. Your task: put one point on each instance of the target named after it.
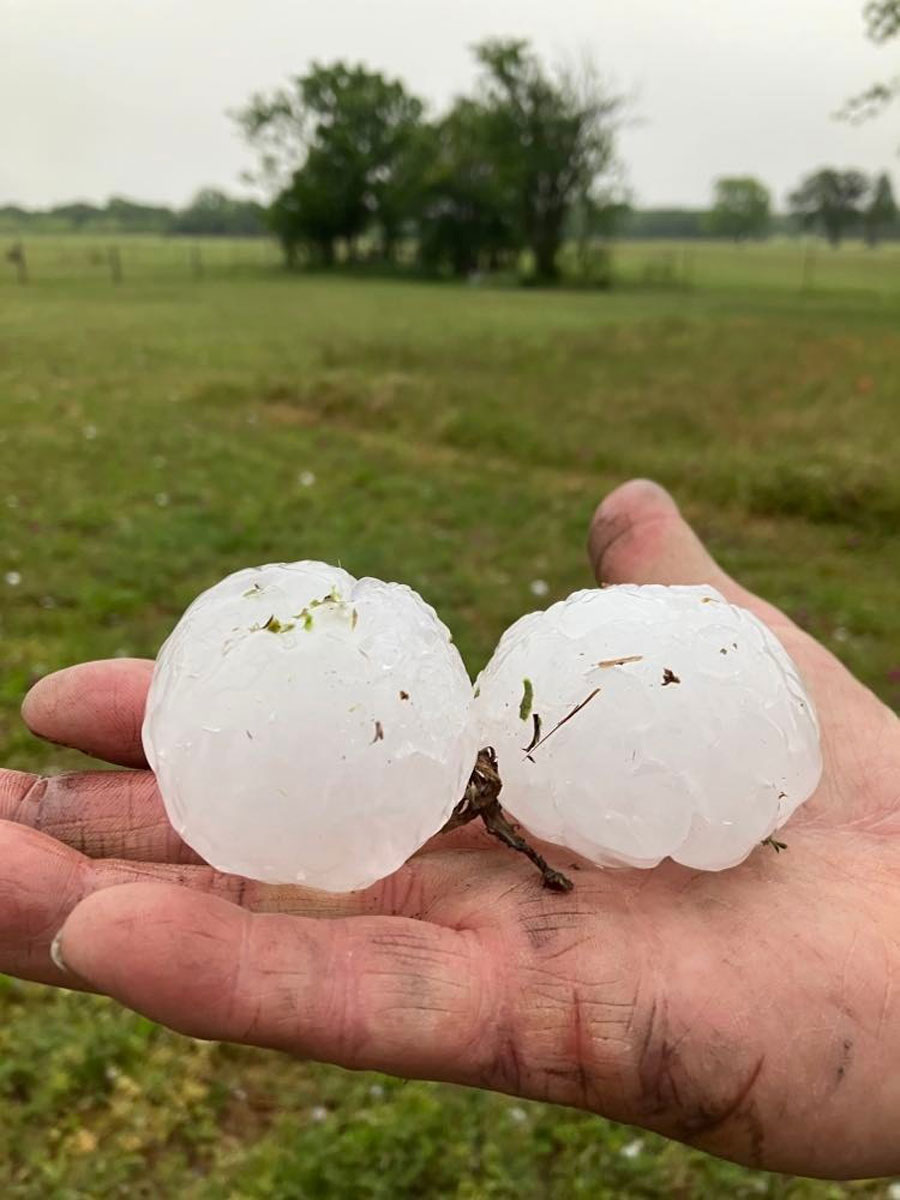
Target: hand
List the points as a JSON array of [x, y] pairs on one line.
[[753, 1013]]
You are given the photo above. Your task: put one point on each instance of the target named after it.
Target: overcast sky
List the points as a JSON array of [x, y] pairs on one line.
[[130, 96]]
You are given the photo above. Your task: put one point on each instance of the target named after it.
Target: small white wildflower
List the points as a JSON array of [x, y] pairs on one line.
[[894, 1190], [319, 1113], [539, 587], [376, 1091], [12, 501], [48, 602], [841, 634], [89, 432], [517, 1114], [632, 1149], [162, 499], [13, 578], [306, 479]]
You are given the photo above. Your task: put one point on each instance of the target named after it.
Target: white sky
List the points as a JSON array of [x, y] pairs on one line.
[[130, 96]]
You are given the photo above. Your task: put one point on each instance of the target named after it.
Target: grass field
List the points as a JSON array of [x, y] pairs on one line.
[[160, 433]]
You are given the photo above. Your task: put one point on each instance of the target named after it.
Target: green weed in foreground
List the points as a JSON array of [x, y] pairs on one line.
[[156, 436]]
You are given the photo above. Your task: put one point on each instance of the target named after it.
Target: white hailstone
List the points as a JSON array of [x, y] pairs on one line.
[[672, 723], [308, 727]]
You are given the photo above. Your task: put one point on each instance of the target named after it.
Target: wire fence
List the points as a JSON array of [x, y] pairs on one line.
[[134, 258], [786, 265]]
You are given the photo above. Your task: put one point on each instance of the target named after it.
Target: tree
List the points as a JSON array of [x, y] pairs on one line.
[[882, 18], [78, 214], [321, 204], [466, 221], [336, 144], [549, 137], [130, 216], [741, 208], [212, 212], [830, 200], [881, 211]]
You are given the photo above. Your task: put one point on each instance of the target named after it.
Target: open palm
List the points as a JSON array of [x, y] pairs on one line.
[[752, 1013]]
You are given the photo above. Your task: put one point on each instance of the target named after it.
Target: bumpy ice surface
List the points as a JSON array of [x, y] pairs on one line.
[[702, 767], [307, 727]]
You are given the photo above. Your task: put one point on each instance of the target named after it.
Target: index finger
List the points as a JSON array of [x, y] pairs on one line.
[[95, 707]]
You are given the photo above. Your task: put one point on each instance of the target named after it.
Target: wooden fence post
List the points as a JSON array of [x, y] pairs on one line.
[[16, 255], [809, 268], [115, 264], [687, 267]]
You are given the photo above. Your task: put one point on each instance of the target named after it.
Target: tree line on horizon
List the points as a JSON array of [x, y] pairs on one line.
[[526, 164], [211, 212], [738, 212]]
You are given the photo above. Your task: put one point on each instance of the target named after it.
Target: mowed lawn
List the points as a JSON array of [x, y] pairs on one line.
[[158, 434]]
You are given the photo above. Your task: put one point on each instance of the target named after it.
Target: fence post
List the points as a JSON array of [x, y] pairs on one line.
[[809, 268], [16, 254], [115, 264], [687, 267]]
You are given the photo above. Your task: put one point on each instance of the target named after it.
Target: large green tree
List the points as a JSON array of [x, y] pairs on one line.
[[337, 142], [741, 208], [467, 220], [550, 138], [830, 200]]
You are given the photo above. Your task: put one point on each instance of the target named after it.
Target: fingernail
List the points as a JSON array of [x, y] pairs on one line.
[[56, 954]]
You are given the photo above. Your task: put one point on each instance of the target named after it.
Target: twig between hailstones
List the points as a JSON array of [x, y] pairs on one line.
[[481, 800]]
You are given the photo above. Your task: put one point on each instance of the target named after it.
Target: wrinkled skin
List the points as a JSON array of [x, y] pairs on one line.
[[752, 1013]]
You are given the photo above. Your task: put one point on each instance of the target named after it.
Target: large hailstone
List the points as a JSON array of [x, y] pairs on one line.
[[665, 721], [308, 727]]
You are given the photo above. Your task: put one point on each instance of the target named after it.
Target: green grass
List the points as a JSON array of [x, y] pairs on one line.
[[155, 435]]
